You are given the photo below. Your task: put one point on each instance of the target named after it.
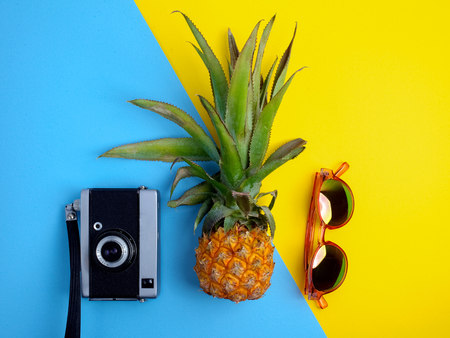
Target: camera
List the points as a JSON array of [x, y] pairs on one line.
[[119, 243]]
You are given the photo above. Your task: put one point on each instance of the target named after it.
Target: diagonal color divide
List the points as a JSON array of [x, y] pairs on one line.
[[67, 71]]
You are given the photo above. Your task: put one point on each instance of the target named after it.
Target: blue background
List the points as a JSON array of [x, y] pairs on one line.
[[67, 70]]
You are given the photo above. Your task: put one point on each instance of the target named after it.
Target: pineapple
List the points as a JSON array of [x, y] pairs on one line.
[[234, 259]]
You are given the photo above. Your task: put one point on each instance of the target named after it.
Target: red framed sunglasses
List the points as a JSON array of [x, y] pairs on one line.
[[333, 203]]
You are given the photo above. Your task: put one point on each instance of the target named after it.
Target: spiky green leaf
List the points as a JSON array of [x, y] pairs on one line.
[[185, 172], [283, 154], [264, 98], [198, 171], [184, 120], [249, 124], [230, 162], [165, 150], [182, 172], [230, 69], [260, 221], [286, 151], [234, 51], [274, 197], [257, 71], [243, 201], [253, 189], [204, 209], [218, 79], [261, 134], [217, 213], [281, 73], [237, 95], [270, 220], [194, 195], [231, 220]]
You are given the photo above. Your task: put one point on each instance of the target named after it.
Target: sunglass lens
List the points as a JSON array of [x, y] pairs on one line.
[[329, 266], [335, 202]]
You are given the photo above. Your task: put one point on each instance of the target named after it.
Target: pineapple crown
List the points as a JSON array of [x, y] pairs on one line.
[[242, 115]]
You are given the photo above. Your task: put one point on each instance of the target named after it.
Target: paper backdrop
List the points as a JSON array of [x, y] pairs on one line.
[[375, 94]]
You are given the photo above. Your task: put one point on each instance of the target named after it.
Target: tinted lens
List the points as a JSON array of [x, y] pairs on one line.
[[335, 202], [111, 251], [329, 268]]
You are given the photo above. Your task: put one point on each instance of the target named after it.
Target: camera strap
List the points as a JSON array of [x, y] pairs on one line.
[[74, 314]]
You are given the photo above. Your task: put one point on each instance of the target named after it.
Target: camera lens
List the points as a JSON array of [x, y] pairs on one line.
[[115, 251], [111, 251]]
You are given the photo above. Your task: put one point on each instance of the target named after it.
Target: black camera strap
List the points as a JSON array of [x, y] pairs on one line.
[[74, 314]]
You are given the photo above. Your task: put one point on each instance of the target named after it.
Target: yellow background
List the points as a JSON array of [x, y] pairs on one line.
[[376, 94]]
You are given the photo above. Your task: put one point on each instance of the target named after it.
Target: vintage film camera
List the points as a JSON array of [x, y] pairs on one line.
[[119, 243]]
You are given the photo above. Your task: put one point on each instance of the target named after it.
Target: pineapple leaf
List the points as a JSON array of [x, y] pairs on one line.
[[185, 172], [189, 200], [195, 195], [200, 53], [249, 123], [231, 220], [165, 150], [263, 98], [204, 209], [184, 120], [285, 151], [283, 154], [216, 214], [198, 171], [261, 134], [243, 201], [182, 172], [280, 75], [230, 69], [234, 51], [237, 95], [270, 219], [260, 221], [274, 197], [257, 71], [254, 189], [218, 79], [230, 162]]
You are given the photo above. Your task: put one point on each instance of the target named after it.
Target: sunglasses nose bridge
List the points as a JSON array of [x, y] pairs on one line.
[[323, 229]]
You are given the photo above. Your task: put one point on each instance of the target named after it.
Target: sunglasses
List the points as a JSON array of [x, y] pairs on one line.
[[333, 203]]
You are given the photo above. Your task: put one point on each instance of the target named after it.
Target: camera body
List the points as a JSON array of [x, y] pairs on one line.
[[119, 243]]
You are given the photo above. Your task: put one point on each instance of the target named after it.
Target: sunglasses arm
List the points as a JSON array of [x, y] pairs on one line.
[[309, 238], [342, 169], [322, 302]]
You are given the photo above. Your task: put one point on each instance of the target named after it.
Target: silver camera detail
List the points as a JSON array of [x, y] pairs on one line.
[[119, 243]]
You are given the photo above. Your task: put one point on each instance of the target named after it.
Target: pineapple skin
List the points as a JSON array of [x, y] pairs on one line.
[[236, 265]]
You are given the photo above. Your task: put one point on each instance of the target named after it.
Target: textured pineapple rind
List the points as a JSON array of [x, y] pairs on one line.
[[236, 265]]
